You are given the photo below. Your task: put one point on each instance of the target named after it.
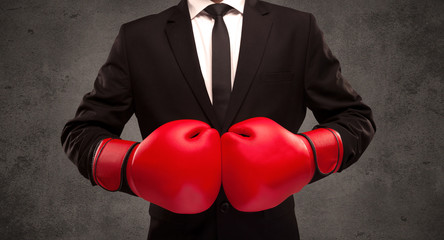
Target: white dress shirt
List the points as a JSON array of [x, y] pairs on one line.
[[203, 23]]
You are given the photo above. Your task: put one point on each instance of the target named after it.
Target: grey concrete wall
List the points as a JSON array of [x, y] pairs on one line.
[[391, 51]]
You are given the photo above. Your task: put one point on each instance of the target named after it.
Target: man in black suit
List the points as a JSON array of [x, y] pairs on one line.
[[158, 69]]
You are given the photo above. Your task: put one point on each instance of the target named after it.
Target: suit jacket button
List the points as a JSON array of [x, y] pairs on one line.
[[224, 206]]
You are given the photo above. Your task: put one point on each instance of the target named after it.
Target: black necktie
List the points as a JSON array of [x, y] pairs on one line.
[[221, 60]]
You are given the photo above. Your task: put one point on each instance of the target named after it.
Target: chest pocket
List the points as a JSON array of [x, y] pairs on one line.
[[277, 77]]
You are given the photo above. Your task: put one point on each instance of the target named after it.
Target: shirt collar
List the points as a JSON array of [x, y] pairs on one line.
[[196, 6]]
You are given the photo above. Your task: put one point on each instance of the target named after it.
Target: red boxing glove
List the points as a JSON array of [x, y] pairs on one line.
[[263, 163], [176, 167]]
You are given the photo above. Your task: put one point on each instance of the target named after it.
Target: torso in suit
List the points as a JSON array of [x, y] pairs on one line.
[[284, 67]]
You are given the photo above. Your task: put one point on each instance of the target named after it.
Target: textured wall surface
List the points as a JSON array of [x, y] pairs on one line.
[[392, 52]]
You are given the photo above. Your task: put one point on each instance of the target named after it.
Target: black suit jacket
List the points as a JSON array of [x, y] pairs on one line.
[[284, 67]]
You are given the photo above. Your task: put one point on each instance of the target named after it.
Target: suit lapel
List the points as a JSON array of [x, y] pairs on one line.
[[180, 36], [255, 29]]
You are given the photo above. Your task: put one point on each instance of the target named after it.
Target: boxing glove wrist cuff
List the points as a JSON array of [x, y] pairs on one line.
[[109, 162], [327, 149]]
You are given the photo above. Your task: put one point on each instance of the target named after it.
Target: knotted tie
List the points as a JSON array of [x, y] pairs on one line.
[[221, 63]]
